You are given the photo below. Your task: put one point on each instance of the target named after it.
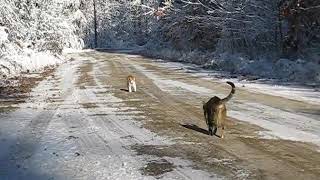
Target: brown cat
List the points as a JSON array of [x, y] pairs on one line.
[[215, 112]]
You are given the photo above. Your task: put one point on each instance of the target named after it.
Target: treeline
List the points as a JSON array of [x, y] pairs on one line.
[[254, 28], [284, 28], [276, 28]]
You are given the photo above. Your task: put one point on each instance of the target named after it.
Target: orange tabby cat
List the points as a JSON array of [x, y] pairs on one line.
[[131, 80]]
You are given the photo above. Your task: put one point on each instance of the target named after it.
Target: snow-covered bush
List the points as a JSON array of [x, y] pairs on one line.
[[34, 33]]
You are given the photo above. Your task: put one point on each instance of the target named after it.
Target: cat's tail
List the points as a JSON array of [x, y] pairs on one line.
[[226, 99]]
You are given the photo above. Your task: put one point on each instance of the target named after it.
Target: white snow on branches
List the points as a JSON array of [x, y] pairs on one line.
[[33, 33]]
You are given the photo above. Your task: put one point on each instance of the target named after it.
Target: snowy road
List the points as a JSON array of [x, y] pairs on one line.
[[80, 123]]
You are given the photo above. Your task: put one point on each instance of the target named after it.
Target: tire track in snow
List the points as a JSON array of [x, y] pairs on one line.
[[113, 130], [31, 122], [141, 138]]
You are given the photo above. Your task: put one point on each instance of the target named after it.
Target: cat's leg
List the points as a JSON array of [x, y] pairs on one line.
[[222, 131], [134, 87], [210, 130], [129, 87], [215, 130]]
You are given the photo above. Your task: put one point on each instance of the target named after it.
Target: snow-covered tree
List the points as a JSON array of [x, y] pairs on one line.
[[302, 35], [38, 26]]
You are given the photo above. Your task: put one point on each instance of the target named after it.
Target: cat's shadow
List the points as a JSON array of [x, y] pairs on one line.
[[195, 128], [126, 90]]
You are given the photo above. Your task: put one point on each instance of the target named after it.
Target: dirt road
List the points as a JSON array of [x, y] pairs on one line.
[[81, 123]]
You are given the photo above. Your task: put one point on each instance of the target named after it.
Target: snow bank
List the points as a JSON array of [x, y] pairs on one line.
[[15, 58], [34, 61], [33, 34], [283, 70]]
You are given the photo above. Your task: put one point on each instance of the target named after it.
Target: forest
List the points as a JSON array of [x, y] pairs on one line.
[[276, 39]]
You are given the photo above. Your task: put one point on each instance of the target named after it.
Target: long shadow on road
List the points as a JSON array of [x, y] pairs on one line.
[[195, 128]]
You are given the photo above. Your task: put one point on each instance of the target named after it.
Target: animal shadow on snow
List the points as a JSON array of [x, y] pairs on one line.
[[196, 128], [126, 90]]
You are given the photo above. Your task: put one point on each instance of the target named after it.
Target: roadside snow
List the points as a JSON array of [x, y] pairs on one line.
[[294, 92], [305, 94], [32, 35], [285, 70], [279, 124], [32, 61]]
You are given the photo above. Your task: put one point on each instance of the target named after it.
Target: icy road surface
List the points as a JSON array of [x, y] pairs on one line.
[[81, 123]]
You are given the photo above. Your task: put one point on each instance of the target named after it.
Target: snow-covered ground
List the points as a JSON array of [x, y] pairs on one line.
[[290, 91], [295, 92], [79, 124], [55, 135]]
